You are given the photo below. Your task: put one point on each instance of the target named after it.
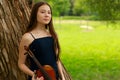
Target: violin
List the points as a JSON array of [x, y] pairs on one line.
[[50, 71]]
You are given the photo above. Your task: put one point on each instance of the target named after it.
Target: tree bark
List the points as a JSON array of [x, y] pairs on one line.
[[14, 16]]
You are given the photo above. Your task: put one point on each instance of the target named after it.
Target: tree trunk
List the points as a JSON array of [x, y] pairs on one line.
[[14, 15]]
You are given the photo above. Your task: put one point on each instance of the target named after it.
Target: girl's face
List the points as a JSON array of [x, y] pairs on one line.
[[44, 14]]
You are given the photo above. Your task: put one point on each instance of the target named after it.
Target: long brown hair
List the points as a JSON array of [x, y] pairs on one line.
[[50, 27]]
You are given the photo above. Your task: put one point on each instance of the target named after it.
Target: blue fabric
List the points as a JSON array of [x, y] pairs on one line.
[[43, 49]]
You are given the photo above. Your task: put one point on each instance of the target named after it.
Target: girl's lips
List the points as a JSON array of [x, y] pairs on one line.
[[46, 19]]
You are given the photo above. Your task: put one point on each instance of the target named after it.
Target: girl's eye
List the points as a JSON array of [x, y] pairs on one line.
[[42, 12], [49, 12], [46, 12]]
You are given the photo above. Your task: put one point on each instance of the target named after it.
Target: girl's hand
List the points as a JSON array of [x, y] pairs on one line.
[[36, 78], [41, 78]]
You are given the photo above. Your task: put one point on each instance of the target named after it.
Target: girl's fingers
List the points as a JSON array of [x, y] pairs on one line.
[[41, 78], [34, 75]]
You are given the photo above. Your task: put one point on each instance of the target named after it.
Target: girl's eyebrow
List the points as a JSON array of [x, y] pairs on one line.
[[45, 10]]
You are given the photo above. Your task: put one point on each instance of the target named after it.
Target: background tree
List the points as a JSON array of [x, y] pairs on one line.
[[14, 15], [61, 7], [101, 9], [104, 9], [79, 8], [71, 7]]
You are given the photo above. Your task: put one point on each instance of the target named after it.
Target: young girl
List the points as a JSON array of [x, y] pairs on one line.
[[42, 40]]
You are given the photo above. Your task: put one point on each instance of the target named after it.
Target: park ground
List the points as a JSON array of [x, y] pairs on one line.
[[90, 50]]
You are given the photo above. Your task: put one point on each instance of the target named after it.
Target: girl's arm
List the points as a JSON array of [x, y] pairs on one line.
[[22, 58], [60, 67]]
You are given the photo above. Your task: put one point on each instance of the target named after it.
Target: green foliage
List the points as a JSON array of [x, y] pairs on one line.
[[61, 7], [98, 9], [104, 9], [79, 7]]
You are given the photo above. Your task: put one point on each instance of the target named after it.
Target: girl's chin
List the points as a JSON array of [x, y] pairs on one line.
[[46, 23]]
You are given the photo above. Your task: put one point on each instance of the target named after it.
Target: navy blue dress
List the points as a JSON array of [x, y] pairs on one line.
[[43, 49]]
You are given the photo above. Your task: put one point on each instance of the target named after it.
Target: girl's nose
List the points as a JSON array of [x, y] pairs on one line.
[[47, 14]]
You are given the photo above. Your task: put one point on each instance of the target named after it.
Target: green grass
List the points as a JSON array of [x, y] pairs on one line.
[[90, 54]]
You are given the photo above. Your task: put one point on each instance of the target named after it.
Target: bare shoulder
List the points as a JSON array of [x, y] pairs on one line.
[[26, 36], [26, 39]]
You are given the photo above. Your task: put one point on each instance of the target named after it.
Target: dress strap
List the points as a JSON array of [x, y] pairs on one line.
[[32, 35]]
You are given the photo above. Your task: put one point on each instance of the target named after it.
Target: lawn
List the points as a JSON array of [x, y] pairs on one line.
[[90, 54]]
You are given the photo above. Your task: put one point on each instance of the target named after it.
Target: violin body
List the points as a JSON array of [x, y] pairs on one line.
[[49, 70]]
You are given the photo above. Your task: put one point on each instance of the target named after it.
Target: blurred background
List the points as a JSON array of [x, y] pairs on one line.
[[86, 9], [88, 31]]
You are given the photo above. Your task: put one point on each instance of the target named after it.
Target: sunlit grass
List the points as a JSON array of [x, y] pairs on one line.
[[90, 54]]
